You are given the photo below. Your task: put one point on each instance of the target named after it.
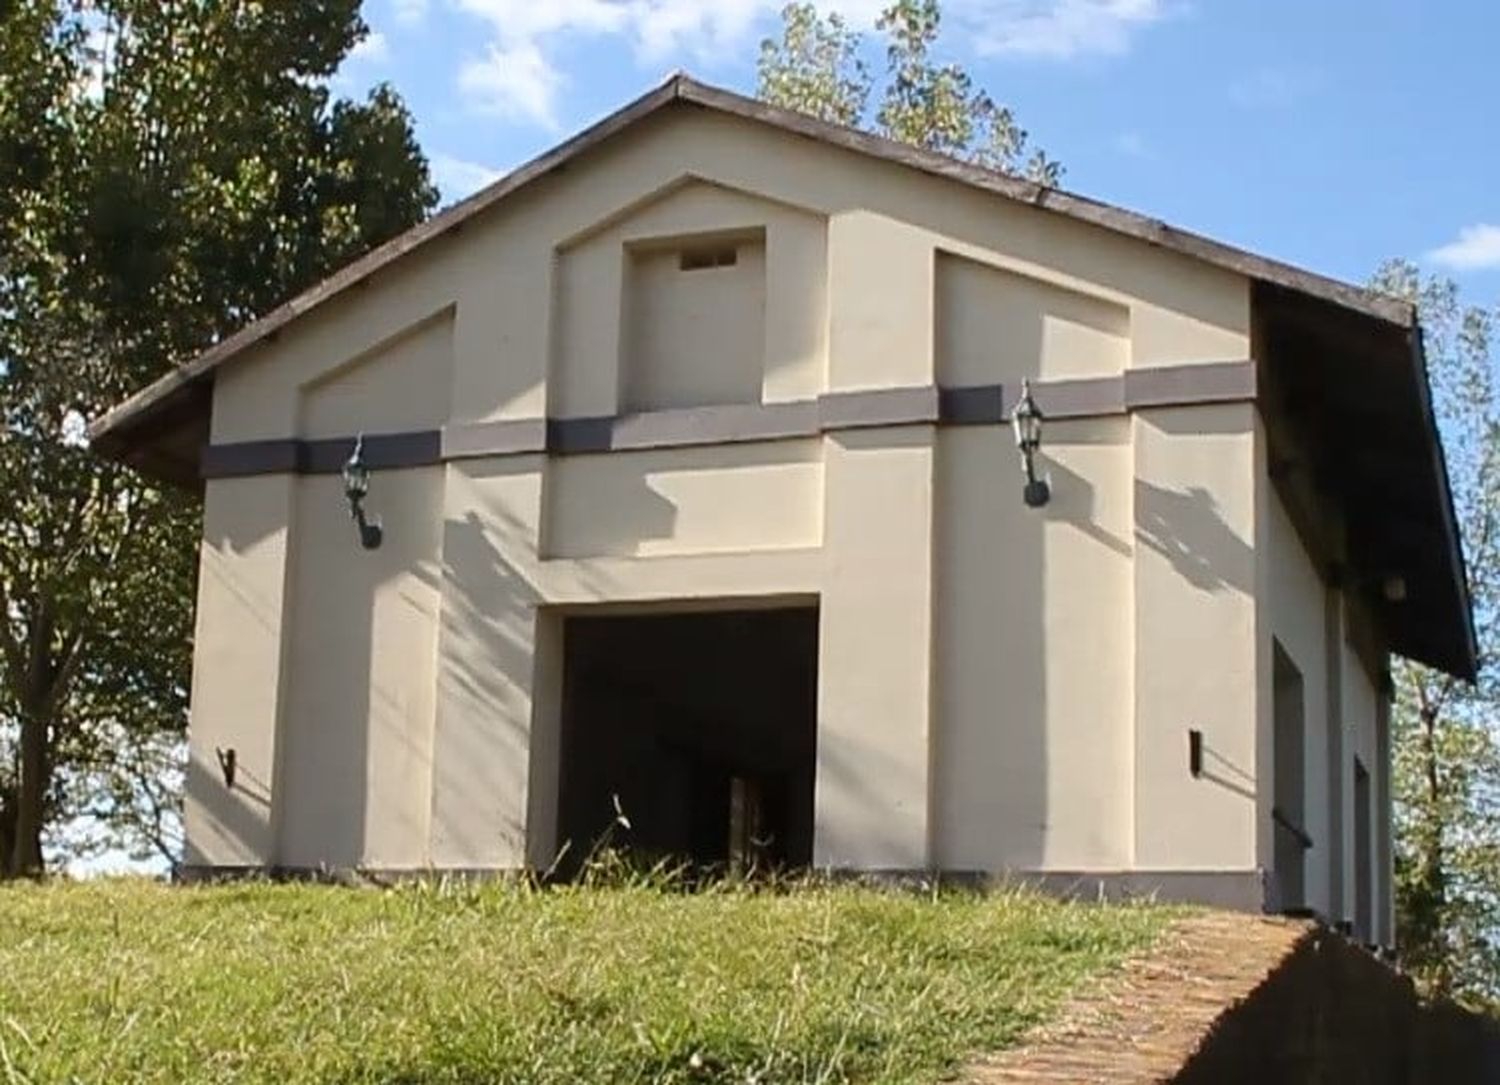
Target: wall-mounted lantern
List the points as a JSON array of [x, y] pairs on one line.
[[1026, 417], [356, 487]]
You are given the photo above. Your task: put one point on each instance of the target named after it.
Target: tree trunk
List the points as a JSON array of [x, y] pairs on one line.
[[7, 828], [39, 691], [1434, 873], [26, 846]]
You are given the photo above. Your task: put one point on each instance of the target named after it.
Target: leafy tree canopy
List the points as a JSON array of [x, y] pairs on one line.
[[169, 169], [1445, 754], [817, 68]]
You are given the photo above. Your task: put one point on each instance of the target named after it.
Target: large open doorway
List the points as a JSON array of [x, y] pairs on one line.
[[690, 736]]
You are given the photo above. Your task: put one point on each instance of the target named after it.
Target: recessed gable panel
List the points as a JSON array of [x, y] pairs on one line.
[[402, 384], [698, 295], [995, 326]]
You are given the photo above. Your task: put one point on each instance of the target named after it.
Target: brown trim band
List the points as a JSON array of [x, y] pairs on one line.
[[730, 424], [879, 407], [324, 455], [1094, 397]]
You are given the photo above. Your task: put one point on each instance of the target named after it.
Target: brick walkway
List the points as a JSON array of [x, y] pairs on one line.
[[1142, 1024]]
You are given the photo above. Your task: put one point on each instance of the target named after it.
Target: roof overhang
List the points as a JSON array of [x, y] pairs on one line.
[[161, 428], [1362, 451]]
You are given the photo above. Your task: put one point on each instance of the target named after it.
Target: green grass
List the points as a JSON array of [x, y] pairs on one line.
[[122, 981]]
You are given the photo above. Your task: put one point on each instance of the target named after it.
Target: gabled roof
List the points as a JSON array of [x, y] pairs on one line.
[[160, 428], [112, 432]]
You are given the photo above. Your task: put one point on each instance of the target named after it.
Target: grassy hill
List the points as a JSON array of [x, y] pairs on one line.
[[122, 981]]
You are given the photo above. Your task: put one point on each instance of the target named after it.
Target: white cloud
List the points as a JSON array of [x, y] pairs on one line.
[[458, 177], [1477, 248], [1057, 29], [516, 75], [409, 12], [514, 80], [373, 49]]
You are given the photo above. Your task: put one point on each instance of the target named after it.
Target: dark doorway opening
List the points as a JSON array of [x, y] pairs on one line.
[[690, 737], [1288, 811], [1363, 860]]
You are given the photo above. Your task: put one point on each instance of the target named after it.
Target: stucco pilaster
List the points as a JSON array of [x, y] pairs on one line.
[[238, 673], [1196, 637]]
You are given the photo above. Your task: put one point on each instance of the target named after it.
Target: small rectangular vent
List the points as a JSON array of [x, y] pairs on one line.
[[699, 259]]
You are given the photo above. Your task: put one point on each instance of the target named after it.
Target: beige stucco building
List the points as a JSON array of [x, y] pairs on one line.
[[690, 452]]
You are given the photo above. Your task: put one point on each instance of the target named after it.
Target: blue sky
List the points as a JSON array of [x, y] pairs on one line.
[[1329, 133]]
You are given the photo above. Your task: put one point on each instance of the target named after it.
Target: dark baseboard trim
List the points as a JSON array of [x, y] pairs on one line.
[[1193, 384], [1238, 890], [1235, 890]]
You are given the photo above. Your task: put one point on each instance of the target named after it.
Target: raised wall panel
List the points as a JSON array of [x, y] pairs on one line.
[[403, 384], [685, 501]]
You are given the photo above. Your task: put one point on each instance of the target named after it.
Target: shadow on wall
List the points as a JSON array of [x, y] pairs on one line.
[[250, 510], [238, 816], [497, 736], [486, 672], [1186, 528], [323, 739], [989, 783], [1075, 502]]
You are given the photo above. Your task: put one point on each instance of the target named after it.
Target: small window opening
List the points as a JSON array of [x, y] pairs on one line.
[[700, 258]]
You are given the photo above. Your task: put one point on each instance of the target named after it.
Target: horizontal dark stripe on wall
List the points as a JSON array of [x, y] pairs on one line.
[[879, 407], [730, 424], [1093, 397], [324, 455]]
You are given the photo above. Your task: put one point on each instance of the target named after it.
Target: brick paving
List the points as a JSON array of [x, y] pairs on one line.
[[1143, 1023]]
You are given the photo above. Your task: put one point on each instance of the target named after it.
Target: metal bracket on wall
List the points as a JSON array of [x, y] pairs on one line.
[[1195, 752], [227, 761]]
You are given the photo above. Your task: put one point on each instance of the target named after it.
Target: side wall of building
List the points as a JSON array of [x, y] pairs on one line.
[[1339, 664], [1000, 688]]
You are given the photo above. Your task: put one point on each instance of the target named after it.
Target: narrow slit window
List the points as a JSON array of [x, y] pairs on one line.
[[700, 259]]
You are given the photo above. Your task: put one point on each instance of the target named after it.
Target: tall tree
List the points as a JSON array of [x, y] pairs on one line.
[[168, 170], [1445, 750], [817, 68]]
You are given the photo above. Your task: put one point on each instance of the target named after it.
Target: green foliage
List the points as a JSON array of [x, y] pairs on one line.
[[130, 981], [1445, 750], [816, 68], [168, 171]]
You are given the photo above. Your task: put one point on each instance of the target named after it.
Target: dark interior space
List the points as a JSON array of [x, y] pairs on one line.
[[1288, 813], [702, 725]]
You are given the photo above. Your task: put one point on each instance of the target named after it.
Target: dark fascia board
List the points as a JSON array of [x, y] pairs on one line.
[[111, 432], [1468, 667]]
